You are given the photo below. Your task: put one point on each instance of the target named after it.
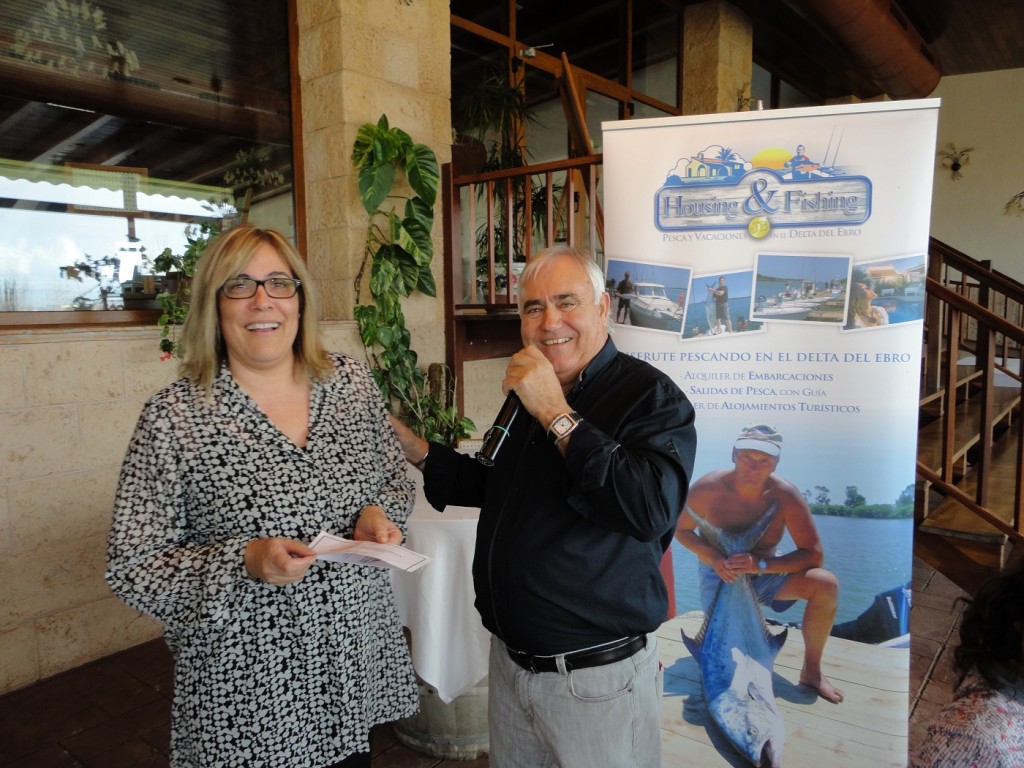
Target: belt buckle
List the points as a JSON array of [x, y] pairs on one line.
[[526, 660]]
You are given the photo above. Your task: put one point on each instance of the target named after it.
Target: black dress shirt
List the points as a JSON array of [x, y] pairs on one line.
[[568, 548]]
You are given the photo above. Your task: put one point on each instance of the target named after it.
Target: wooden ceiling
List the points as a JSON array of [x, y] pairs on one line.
[[176, 88], [194, 81], [965, 36]]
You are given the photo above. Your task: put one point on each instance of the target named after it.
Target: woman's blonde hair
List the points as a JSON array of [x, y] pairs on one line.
[[203, 345], [860, 304]]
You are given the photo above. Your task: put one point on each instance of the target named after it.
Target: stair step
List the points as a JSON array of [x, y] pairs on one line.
[[967, 564]]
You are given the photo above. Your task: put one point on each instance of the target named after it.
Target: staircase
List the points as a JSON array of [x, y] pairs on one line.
[[970, 458]]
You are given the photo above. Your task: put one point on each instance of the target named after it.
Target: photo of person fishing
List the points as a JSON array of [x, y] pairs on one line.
[[720, 305], [754, 549]]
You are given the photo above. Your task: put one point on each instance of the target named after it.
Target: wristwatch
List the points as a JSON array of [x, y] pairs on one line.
[[762, 565], [563, 425]]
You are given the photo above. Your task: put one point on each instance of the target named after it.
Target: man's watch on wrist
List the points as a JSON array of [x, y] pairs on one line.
[[563, 425], [762, 565]]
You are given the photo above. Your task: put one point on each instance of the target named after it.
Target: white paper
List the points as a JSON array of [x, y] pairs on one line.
[[338, 549]]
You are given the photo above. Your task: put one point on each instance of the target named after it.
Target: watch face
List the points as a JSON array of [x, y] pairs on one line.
[[562, 426], [562, 423]]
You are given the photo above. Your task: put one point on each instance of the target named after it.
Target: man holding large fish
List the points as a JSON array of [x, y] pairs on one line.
[[730, 502]]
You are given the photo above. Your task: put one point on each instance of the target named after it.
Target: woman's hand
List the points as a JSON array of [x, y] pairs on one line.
[[373, 525], [278, 561]]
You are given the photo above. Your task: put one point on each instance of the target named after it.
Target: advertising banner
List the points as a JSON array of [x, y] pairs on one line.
[[773, 263]]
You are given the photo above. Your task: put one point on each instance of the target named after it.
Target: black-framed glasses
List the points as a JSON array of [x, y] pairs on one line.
[[275, 287]]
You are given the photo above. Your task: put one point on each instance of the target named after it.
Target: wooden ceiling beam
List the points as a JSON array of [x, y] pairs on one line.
[[139, 102]]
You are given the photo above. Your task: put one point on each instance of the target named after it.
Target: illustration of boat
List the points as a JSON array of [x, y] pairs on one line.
[[649, 307]]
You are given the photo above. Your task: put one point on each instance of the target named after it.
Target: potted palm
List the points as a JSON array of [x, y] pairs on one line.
[[492, 118], [398, 253]]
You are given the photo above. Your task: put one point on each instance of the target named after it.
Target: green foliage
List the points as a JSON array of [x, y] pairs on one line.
[[399, 251], [175, 298], [250, 172], [497, 110], [865, 511], [906, 496], [854, 498]]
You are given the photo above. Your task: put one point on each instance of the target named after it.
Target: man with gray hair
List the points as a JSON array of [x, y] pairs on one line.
[[577, 510], [738, 498]]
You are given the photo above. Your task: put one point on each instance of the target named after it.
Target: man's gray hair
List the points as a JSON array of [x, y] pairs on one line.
[[581, 257]]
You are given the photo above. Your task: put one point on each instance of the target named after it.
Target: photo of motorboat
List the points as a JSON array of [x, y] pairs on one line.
[[783, 311], [649, 307], [800, 287]]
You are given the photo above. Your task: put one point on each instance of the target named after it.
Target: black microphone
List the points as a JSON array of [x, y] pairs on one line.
[[495, 436]]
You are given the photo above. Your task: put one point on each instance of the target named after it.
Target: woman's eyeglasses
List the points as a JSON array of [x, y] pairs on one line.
[[275, 287]]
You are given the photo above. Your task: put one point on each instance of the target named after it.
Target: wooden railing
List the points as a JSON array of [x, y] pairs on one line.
[[978, 283], [970, 446], [494, 223]]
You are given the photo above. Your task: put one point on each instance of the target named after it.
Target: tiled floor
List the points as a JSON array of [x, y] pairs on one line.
[[934, 630], [115, 712]]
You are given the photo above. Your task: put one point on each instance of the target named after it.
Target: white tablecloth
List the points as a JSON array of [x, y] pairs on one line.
[[449, 644]]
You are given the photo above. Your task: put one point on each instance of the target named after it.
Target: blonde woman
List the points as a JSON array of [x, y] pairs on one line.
[[862, 313], [280, 659]]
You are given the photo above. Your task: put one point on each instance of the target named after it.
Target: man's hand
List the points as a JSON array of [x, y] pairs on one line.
[[533, 379], [730, 568], [413, 446]]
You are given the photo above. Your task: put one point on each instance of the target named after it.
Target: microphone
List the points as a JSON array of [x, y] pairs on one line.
[[495, 436]]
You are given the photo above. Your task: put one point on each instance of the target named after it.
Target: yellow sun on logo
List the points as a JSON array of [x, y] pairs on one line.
[[759, 227]]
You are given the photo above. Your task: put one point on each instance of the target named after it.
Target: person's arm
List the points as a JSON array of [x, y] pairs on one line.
[[686, 534], [702, 494], [637, 480], [800, 525], [448, 476], [154, 562], [393, 495]]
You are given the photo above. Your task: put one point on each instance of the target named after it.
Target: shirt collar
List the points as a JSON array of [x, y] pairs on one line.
[[598, 363]]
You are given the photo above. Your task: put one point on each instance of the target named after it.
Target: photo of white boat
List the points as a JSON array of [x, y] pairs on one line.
[[647, 296], [794, 287], [649, 307]]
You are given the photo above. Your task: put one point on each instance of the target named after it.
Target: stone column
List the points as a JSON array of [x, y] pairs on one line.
[[718, 48], [358, 59]]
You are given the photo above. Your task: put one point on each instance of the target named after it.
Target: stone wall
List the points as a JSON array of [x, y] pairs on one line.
[[69, 398]]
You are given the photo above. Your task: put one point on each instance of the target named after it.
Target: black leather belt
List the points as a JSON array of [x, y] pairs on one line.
[[580, 659]]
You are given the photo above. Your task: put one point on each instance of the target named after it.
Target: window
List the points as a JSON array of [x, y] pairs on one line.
[[121, 124]]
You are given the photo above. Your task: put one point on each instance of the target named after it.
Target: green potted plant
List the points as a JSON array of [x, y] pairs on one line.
[[398, 252], [493, 116], [178, 270]]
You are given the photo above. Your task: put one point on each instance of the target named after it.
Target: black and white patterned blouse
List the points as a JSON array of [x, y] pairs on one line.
[[273, 676]]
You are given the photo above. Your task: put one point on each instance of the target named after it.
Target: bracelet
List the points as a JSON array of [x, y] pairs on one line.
[[422, 462]]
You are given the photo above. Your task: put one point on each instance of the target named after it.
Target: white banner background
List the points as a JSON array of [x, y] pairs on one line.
[[844, 399]]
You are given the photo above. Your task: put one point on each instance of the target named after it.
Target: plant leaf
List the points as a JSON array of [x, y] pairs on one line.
[[375, 182], [422, 171]]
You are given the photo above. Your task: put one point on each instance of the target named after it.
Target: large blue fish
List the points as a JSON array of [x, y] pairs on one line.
[[736, 653]]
